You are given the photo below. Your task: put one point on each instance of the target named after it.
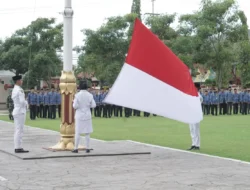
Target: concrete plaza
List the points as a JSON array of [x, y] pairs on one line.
[[118, 165]]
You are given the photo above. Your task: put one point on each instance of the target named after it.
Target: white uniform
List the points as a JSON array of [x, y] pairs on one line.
[[195, 130], [19, 114], [82, 103]]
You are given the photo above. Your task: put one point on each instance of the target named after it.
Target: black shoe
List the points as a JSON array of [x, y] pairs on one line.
[[75, 151], [192, 147], [87, 150], [197, 148], [20, 150]]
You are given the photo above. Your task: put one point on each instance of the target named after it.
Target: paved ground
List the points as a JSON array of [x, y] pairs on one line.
[[161, 170]]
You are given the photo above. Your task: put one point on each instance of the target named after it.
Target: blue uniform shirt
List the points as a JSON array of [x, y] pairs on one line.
[[46, 99], [32, 98], [206, 99], [236, 98], [229, 97], [241, 96], [58, 99], [39, 99], [222, 97], [215, 98], [52, 98], [245, 97]]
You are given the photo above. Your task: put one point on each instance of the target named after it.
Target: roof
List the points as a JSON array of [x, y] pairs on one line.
[[6, 73]]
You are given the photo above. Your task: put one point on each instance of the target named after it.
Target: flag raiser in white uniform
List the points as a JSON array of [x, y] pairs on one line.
[[19, 113]]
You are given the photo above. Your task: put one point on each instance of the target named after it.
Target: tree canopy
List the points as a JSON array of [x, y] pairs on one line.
[[33, 51]]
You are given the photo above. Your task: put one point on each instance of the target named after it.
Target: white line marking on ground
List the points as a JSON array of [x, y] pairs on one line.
[[189, 152], [155, 146], [2, 179]]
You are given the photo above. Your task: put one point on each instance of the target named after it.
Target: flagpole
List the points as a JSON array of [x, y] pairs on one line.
[[153, 6], [67, 84]]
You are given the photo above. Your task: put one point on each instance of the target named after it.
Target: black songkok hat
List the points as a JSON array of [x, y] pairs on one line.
[[83, 85], [16, 78]]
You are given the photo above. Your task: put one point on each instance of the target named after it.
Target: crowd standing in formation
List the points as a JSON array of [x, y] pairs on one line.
[[107, 110], [44, 103], [226, 101]]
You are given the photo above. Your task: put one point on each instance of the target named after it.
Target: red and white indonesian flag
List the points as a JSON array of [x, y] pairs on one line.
[[155, 80]]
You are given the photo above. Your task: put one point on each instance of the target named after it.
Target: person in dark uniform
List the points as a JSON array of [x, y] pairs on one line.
[[236, 100], [41, 103], [214, 103], [97, 101], [118, 110], [38, 104], [46, 110], [10, 106], [108, 106], [128, 112], [52, 103], [32, 101], [146, 114]]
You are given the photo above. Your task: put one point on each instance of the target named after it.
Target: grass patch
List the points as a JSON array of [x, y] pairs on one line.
[[226, 136]]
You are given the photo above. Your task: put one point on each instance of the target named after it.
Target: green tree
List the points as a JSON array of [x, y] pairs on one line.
[[32, 51], [15, 55], [216, 27], [161, 26], [105, 49]]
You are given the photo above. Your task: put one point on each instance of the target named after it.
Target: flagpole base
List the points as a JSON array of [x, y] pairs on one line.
[[66, 145]]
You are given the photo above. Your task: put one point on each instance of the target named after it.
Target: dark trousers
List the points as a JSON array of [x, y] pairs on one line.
[[209, 109], [108, 107], [236, 107], [112, 110], [52, 112], [241, 107], [59, 111], [97, 112], [33, 112], [229, 108], [41, 110], [10, 114], [105, 111], [101, 110], [137, 113], [223, 108], [128, 112], [46, 111], [146, 114], [245, 107], [214, 109], [206, 109], [38, 111], [118, 110]]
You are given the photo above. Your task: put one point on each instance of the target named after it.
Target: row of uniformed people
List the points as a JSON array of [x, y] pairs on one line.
[[106, 110], [226, 101], [44, 103]]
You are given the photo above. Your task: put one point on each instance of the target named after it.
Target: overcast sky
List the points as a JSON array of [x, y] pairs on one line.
[[16, 14]]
